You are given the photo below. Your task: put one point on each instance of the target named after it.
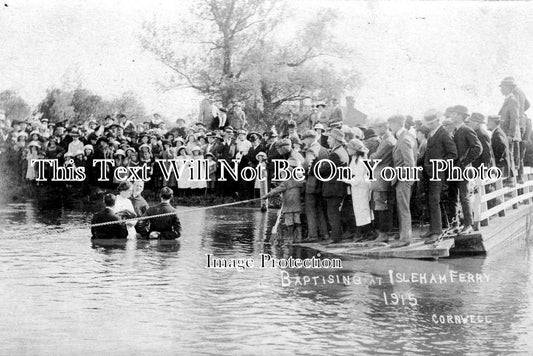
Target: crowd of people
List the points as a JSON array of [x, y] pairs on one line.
[[332, 210]]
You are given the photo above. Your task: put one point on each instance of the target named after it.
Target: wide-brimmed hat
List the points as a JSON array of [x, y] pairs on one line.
[[229, 129], [319, 127], [196, 148], [34, 144], [88, 147], [335, 124], [74, 132], [283, 142], [508, 81], [241, 132], [209, 154], [35, 133], [357, 145], [261, 154], [309, 133], [145, 145], [337, 134], [253, 133], [477, 117], [120, 152], [180, 149], [129, 149]]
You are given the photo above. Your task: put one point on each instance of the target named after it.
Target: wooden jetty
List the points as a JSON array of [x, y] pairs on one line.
[[502, 214], [416, 250]]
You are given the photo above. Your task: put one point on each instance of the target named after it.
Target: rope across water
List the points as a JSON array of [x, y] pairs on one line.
[[89, 225]]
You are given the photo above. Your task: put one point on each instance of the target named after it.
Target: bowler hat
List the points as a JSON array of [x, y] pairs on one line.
[[460, 109], [477, 117], [370, 133], [431, 116], [508, 81], [495, 118]]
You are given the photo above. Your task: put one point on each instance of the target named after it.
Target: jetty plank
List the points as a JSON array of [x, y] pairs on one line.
[[416, 250]]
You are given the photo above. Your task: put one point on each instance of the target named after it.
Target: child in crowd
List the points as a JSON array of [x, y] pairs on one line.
[[184, 181], [262, 184], [212, 166], [291, 206]]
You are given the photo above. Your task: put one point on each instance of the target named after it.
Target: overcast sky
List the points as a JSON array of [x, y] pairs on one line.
[[411, 55]]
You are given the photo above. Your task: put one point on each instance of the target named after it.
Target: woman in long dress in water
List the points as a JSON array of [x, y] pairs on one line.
[[124, 207]]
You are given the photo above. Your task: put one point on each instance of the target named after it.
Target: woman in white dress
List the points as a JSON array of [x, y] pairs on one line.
[[359, 186], [197, 184], [124, 207], [184, 181]]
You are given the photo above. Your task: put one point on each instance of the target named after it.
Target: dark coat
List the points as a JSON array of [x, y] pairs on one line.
[[313, 184], [217, 149], [384, 153], [168, 226], [509, 114], [500, 147], [487, 157], [439, 146], [468, 146], [333, 187], [112, 231]]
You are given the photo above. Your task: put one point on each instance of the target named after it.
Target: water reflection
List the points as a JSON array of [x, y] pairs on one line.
[[157, 296]]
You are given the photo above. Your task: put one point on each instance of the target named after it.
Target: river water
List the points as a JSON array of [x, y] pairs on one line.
[[62, 295]]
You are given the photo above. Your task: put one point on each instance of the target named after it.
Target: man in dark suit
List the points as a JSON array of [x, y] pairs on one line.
[[334, 190], [486, 158], [111, 231], [500, 145], [403, 155], [440, 145], [468, 149], [316, 218], [510, 115], [163, 227], [382, 192]]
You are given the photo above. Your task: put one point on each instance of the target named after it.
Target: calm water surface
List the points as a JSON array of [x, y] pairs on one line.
[[62, 295]]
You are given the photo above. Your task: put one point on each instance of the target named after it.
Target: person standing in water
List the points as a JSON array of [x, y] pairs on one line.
[[166, 227]]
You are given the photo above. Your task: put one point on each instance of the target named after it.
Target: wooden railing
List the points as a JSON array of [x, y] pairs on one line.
[[501, 198]]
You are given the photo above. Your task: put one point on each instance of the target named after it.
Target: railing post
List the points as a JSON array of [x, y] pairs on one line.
[[477, 206]]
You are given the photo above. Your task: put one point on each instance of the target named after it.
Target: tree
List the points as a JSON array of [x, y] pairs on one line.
[[56, 106], [129, 105], [227, 49], [87, 105], [14, 106]]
